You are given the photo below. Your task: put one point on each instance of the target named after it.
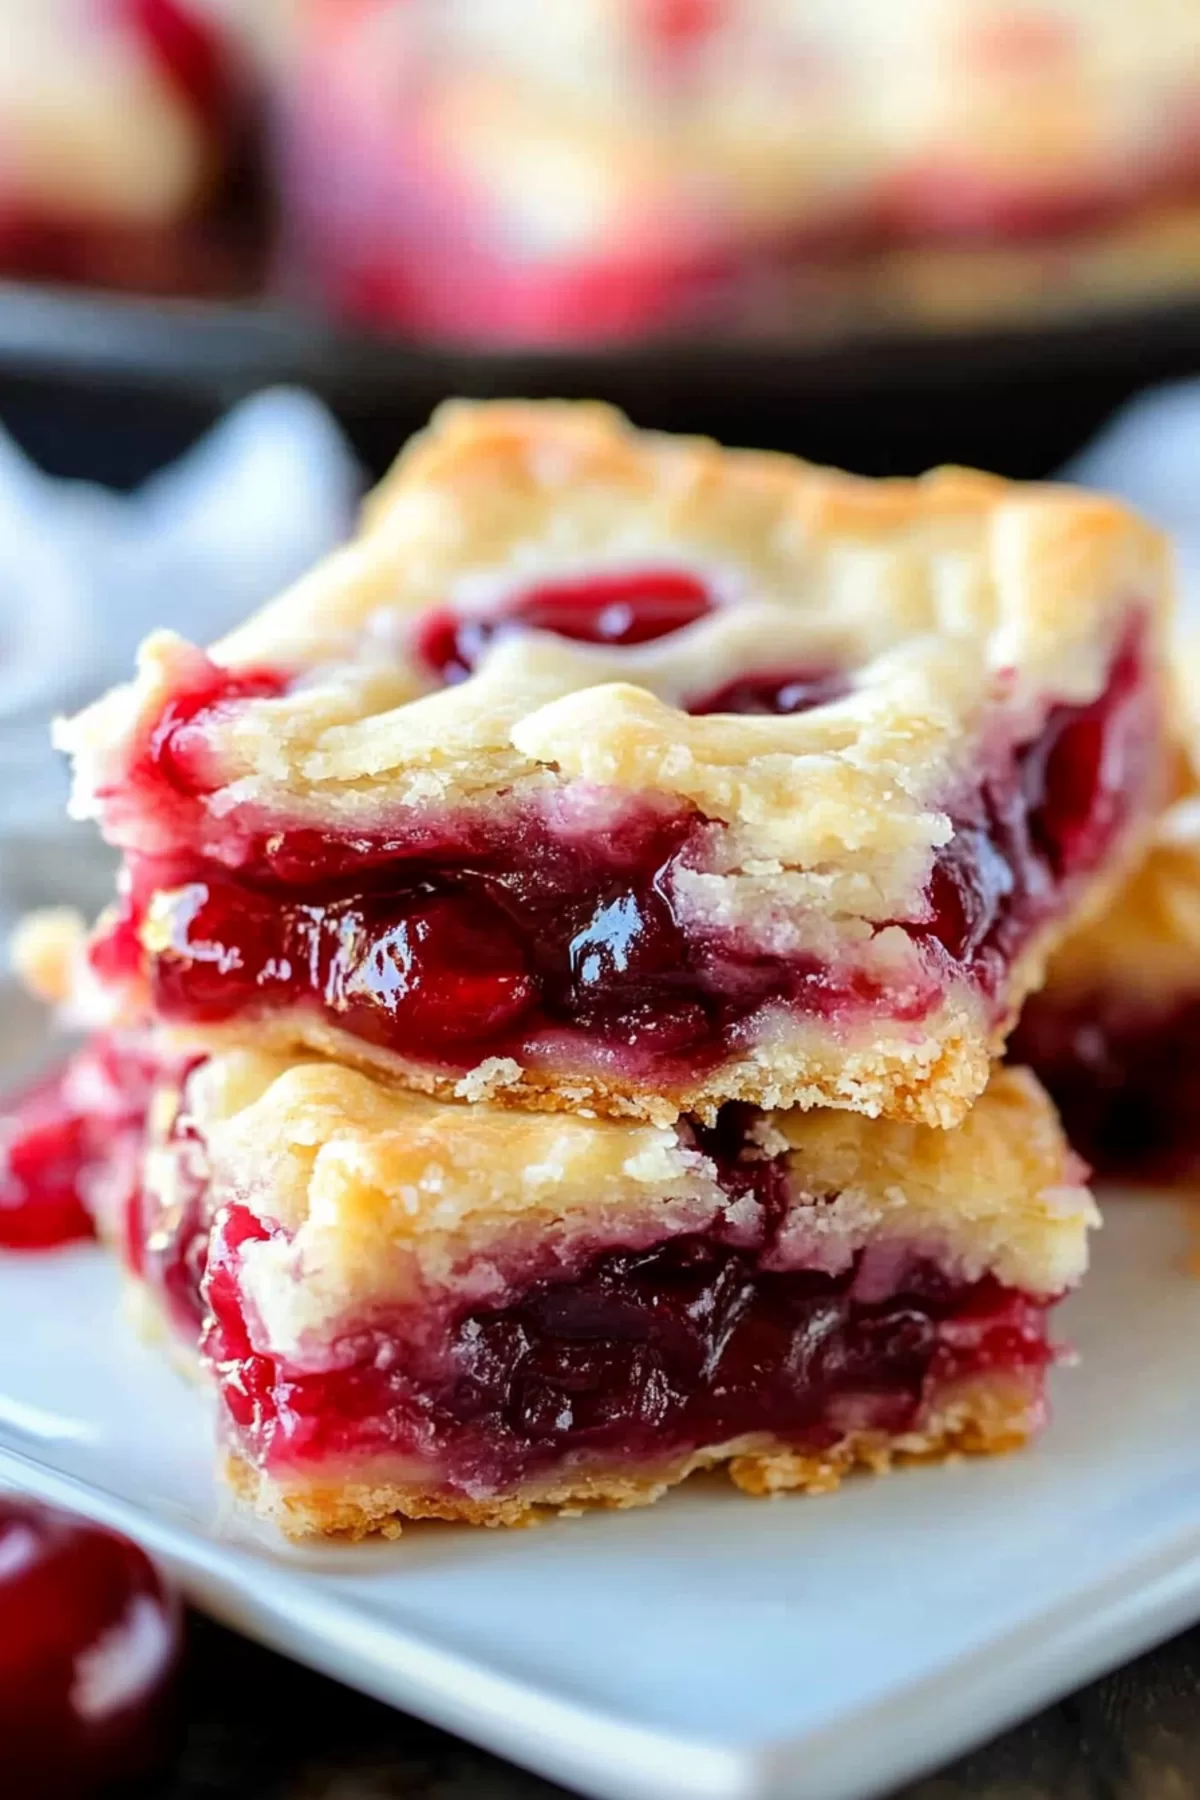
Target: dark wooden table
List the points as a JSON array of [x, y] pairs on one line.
[[259, 1728]]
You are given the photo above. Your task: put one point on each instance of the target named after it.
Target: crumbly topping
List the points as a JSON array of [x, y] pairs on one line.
[[936, 595]]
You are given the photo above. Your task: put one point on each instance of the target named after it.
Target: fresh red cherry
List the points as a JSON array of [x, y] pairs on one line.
[[449, 967], [619, 609], [89, 1649]]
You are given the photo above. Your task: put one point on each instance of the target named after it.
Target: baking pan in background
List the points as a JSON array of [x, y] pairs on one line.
[[110, 388]]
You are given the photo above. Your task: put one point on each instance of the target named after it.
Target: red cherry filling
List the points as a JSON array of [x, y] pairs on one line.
[[618, 609], [1124, 1074], [68, 1143], [455, 938], [774, 694], [1036, 826], [89, 1646], [176, 749], [643, 1354], [440, 967], [482, 960]]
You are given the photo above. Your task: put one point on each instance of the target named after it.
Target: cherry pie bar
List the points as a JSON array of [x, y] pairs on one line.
[[612, 771], [1115, 1034], [120, 118], [528, 170], [415, 1309]]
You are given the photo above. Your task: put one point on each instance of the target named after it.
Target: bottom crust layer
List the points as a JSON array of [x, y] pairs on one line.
[[985, 1416]]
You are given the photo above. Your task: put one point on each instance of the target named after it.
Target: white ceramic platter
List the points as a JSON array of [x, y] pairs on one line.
[[713, 1645]]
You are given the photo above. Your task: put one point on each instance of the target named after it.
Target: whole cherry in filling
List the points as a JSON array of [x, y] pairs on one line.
[[89, 1648]]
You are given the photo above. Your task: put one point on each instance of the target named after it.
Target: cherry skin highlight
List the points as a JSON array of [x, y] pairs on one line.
[[617, 609], [89, 1649]]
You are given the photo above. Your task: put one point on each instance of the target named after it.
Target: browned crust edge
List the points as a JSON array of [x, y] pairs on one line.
[[986, 1416]]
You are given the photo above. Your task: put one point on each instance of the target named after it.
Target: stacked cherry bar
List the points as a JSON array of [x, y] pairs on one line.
[[561, 954]]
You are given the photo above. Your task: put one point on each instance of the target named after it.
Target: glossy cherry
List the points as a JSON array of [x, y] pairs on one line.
[[617, 609], [176, 747], [776, 694], [89, 1649]]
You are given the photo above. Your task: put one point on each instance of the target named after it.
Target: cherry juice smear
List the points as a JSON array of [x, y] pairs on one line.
[[619, 609]]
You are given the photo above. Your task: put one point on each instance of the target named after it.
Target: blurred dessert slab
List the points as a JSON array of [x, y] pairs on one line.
[[124, 126], [519, 171]]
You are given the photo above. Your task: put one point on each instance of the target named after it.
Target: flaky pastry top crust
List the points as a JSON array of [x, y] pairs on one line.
[[951, 601]]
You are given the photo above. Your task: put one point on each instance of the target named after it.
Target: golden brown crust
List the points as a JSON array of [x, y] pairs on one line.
[[987, 1416], [929, 1074]]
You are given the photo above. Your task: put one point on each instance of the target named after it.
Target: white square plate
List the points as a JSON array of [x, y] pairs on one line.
[[713, 1645]]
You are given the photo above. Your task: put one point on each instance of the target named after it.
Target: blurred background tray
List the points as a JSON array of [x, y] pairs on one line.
[[110, 388]]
